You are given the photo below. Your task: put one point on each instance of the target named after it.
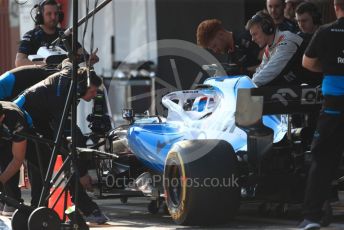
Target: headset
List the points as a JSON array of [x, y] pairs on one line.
[[39, 11], [266, 23], [316, 16]]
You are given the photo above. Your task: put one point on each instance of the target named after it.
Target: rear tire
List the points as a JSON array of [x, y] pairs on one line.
[[191, 197]]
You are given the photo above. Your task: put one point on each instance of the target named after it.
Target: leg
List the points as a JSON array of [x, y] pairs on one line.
[[85, 203], [11, 186], [327, 147], [35, 175]]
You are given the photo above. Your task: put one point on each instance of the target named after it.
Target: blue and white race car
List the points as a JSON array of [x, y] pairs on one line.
[[219, 144], [202, 114]]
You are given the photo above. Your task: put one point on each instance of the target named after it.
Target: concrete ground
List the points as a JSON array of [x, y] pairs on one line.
[[134, 215]]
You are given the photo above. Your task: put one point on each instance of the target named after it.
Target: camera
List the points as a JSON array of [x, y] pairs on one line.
[[100, 123]]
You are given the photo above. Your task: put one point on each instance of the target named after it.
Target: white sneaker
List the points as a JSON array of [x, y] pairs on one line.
[[309, 225], [8, 210]]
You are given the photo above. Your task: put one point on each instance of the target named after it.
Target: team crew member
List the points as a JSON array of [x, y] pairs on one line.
[[12, 151], [45, 102], [15, 81], [325, 54], [47, 18], [240, 49], [308, 18], [276, 11], [290, 7], [279, 64], [12, 83]]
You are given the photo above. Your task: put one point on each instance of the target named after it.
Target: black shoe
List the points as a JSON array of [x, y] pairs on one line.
[[327, 217]]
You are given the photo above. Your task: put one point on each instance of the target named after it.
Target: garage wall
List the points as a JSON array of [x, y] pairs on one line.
[[125, 26], [9, 32]]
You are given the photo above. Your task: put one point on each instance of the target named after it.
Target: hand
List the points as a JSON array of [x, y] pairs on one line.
[[86, 182], [93, 58]]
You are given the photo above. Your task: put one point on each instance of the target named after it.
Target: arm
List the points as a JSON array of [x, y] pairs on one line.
[[27, 46], [18, 151], [252, 69], [272, 68], [22, 59], [93, 59], [314, 51], [312, 64]]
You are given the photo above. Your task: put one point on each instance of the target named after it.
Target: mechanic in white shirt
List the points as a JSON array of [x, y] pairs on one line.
[[282, 55]]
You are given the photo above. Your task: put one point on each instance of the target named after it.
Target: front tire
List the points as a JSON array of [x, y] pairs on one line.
[[200, 182]]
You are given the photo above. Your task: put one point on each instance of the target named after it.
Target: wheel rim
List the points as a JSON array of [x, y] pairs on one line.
[[44, 218], [19, 220], [174, 185]]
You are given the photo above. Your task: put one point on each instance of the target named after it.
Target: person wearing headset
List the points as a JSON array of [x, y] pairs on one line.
[[44, 102], [12, 152], [48, 16], [281, 55]]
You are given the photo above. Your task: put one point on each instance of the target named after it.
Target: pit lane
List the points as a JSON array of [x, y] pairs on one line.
[[134, 215]]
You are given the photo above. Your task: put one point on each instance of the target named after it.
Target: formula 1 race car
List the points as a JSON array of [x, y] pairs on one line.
[[221, 143]]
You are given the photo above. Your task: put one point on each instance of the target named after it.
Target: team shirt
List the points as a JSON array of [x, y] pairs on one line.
[[36, 38], [327, 45], [13, 82], [279, 60]]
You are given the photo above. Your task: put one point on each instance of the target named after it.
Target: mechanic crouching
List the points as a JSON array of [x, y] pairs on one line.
[[12, 152], [15, 81], [325, 54], [44, 102], [12, 83], [239, 48]]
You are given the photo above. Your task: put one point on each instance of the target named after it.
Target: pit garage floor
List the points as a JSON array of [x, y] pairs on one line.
[[134, 215]]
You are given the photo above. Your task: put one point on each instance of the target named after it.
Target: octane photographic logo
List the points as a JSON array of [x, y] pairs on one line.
[[171, 48], [282, 94]]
